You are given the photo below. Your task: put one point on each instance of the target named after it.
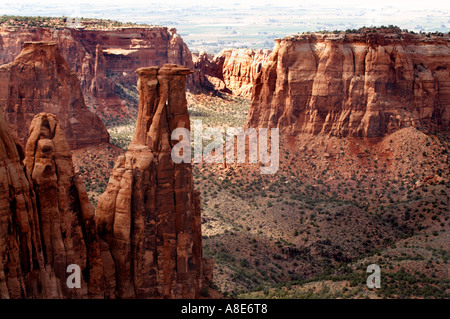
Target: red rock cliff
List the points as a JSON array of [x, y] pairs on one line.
[[46, 219], [366, 84], [20, 251], [92, 54], [40, 80], [127, 49], [231, 70], [149, 216], [240, 67]]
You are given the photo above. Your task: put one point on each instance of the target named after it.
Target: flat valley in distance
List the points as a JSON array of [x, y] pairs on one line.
[[214, 27]]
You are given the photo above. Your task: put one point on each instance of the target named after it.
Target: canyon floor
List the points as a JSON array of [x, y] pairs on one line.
[[335, 206]]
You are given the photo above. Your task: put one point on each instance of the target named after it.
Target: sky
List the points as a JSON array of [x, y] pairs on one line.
[[406, 4]]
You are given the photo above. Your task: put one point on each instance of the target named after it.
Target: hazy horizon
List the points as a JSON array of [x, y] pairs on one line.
[[212, 24]]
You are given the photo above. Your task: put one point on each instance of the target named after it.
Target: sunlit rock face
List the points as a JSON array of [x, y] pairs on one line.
[[149, 217], [40, 80], [46, 220], [231, 70], [364, 84]]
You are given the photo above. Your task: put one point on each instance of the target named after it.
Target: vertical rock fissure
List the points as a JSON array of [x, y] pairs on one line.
[[43, 205], [372, 76]]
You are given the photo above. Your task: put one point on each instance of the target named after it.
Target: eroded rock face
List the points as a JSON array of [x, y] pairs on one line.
[[20, 250], [126, 49], [231, 70], [66, 216], [149, 216], [117, 52], [100, 85], [366, 84], [240, 67], [47, 221], [40, 80], [210, 73]]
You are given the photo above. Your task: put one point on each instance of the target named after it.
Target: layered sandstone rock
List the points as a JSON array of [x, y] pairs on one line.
[[126, 49], [66, 216], [93, 53], [210, 69], [80, 58], [366, 84], [149, 216], [20, 250], [46, 219], [99, 84], [240, 67], [232, 70], [40, 80]]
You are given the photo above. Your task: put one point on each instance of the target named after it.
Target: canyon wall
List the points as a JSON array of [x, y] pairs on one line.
[[105, 60], [127, 49], [149, 216], [210, 73], [240, 67], [40, 80], [231, 70], [46, 219], [363, 84]]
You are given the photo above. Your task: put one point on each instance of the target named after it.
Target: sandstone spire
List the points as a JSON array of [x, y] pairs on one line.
[[46, 219], [149, 216], [98, 86], [66, 216], [20, 250]]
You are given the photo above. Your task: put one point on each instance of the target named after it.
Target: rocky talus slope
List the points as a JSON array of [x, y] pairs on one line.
[[149, 217], [40, 80], [364, 84]]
